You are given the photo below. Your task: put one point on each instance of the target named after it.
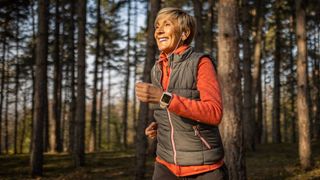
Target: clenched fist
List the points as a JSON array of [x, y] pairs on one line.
[[148, 93], [151, 130]]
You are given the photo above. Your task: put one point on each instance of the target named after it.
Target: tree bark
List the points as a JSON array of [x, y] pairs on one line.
[[79, 141], [229, 77], [71, 59], [101, 108], [256, 71], [56, 104], [17, 85], [141, 144], [199, 38], [93, 122], [109, 106], [24, 121], [40, 89], [248, 109], [2, 87], [317, 91], [276, 134], [6, 124], [33, 56], [126, 85], [302, 104], [292, 80]]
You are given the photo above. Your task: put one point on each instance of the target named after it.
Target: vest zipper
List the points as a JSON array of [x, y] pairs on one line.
[[169, 116], [170, 120], [203, 140], [172, 140]]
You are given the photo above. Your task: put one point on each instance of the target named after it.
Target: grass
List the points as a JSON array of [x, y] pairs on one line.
[[269, 161]]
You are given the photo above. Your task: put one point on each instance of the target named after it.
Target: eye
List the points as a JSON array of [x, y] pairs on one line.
[[167, 24]]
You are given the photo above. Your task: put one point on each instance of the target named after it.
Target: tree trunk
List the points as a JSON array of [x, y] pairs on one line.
[[260, 119], [316, 85], [292, 81], [256, 71], [134, 105], [229, 78], [79, 141], [33, 56], [199, 37], [17, 84], [109, 106], [248, 110], [141, 144], [71, 59], [56, 104], [302, 104], [317, 89], [276, 134], [101, 108], [212, 45], [93, 122], [2, 87], [264, 138], [126, 85], [40, 90], [24, 120], [6, 124]]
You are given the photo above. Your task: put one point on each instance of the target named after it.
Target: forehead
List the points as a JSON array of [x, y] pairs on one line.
[[164, 18]]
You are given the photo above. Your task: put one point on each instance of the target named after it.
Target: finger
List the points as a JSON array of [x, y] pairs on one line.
[[142, 97], [153, 125], [142, 85]]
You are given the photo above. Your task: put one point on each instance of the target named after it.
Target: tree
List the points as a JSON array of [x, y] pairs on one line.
[[126, 83], [56, 105], [256, 71], [71, 61], [199, 38], [141, 143], [78, 151], [229, 78], [17, 83], [248, 118], [276, 135], [93, 122], [40, 89], [302, 105]]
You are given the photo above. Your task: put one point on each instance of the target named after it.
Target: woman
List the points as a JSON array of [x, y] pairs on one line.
[[186, 99]]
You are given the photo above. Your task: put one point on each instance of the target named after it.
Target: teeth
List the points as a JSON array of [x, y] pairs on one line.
[[162, 39]]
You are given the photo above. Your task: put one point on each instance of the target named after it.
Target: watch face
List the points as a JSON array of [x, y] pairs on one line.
[[166, 98]]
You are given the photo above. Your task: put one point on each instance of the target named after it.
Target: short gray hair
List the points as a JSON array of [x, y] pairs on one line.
[[186, 22]]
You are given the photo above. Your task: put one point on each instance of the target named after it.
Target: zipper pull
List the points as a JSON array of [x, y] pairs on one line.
[[195, 130]]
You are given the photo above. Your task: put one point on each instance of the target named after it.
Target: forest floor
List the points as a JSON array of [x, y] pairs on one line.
[[269, 161]]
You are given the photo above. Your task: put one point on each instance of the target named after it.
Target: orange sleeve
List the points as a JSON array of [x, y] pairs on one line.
[[209, 109]]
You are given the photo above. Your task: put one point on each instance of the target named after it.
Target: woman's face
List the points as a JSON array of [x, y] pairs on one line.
[[167, 34]]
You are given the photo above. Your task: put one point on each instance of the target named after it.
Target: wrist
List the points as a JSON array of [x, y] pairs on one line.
[[165, 99]]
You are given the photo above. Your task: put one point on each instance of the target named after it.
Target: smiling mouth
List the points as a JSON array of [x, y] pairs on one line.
[[163, 39]]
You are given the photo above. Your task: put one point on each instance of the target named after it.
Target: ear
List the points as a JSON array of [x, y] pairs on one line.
[[185, 35]]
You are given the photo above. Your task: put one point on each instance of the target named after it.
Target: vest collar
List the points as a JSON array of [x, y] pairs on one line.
[[179, 55], [177, 58]]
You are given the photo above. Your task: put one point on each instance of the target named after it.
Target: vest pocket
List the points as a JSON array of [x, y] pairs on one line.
[[203, 140]]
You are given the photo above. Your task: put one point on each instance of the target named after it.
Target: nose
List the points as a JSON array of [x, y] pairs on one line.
[[159, 30]]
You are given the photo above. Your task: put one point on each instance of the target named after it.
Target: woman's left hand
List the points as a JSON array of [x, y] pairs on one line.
[[148, 93]]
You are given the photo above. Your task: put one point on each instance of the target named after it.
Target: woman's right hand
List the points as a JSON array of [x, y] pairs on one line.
[[151, 130]]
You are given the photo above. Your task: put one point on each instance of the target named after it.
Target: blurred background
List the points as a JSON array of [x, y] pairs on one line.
[[68, 68]]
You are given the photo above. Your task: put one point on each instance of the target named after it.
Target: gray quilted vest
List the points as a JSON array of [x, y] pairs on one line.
[[184, 141]]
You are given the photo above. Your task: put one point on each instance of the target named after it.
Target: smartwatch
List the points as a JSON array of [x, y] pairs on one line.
[[165, 99]]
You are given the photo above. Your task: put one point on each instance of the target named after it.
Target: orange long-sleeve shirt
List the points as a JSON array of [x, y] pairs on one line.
[[208, 110]]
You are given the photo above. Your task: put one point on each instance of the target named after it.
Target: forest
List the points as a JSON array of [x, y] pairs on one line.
[[68, 69]]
